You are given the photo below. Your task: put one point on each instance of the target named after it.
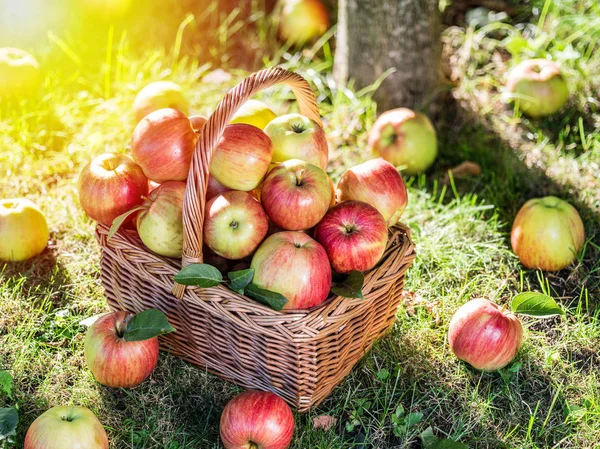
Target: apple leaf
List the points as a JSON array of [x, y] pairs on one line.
[[351, 287], [239, 280], [6, 383], [9, 418], [272, 299], [199, 274], [430, 441], [536, 304], [147, 324], [118, 222]]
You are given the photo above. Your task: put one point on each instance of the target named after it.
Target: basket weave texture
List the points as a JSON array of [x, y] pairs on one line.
[[300, 355]]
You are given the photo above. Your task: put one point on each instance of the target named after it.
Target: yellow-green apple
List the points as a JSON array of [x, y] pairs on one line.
[[404, 138], [254, 112], [378, 183], [163, 145], [538, 86], [354, 235], [484, 335], [66, 428], [296, 195], [302, 21], [297, 137], [293, 264], [256, 420], [113, 361], [198, 121], [160, 223], [23, 230], [110, 185], [215, 188], [234, 224], [547, 234], [159, 95], [242, 157], [19, 73]]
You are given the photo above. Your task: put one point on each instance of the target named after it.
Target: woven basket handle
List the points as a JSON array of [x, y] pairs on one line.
[[195, 193]]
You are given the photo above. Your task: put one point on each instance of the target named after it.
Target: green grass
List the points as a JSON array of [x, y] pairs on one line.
[[547, 398]]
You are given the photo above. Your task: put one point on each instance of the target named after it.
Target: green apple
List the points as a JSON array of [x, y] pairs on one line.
[[23, 230], [19, 73], [255, 113], [302, 21], [159, 95]]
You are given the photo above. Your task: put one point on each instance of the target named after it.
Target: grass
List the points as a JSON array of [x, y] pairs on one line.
[[547, 398]]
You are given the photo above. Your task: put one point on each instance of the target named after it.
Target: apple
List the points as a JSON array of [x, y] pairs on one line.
[[297, 137], [256, 420], [159, 95], [538, 86], [160, 223], [296, 195], [547, 234], [484, 336], [234, 224], [19, 73], [378, 183], [113, 361], [354, 235], [66, 428], [198, 121], [110, 185], [215, 188], [23, 230], [404, 138], [163, 144], [295, 265], [254, 112], [302, 21], [242, 157]]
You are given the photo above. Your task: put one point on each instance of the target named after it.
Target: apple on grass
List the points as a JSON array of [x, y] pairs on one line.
[[547, 234], [23, 230], [254, 112], [302, 21], [19, 73], [159, 95]]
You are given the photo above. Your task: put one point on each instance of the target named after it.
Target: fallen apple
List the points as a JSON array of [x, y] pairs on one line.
[[159, 95], [254, 112], [19, 73], [302, 21], [23, 230]]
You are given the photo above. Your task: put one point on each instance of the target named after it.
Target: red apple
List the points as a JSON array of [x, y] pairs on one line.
[[484, 336], [159, 95], [378, 183], [302, 21], [354, 235], [293, 264], [234, 224], [198, 121], [547, 234], [66, 428], [215, 188], [296, 195], [163, 145], [257, 420], [242, 157]]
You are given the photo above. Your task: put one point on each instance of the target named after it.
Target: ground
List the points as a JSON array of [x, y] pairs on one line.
[[549, 397]]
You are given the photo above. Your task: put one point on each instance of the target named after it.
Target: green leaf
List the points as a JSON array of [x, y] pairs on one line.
[[272, 299], [6, 383], [536, 304], [199, 274], [447, 443], [351, 287], [118, 222], [147, 324], [239, 280], [428, 438], [413, 418], [9, 418]]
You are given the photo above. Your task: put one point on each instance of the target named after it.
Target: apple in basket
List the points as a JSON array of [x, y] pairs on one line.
[[215, 188], [378, 183], [296, 195], [198, 121], [159, 95], [254, 112], [297, 137], [163, 144], [255, 420], [294, 265]]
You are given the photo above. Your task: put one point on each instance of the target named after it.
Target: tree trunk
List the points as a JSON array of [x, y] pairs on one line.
[[377, 35]]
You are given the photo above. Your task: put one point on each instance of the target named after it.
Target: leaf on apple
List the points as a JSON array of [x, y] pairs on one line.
[[118, 222], [239, 280], [351, 287], [6, 383], [147, 324], [200, 275], [430, 441], [9, 418], [536, 304], [272, 299]]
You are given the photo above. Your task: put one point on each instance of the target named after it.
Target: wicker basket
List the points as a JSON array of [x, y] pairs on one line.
[[300, 355]]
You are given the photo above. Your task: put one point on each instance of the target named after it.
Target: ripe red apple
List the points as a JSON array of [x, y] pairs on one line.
[[354, 235], [297, 137], [257, 420], [484, 336], [23, 229], [295, 265], [242, 157], [538, 87], [163, 145], [215, 188], [159, 95], [198, 121], [66, 428], [296, 195], [302, 21], [234, 224], [404, 138], [547, 234], [113, 361], [376, 182], [110, 185]]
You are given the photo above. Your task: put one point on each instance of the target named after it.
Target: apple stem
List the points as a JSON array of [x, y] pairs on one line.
[[253, 445], [503, 308], [299, 177]]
